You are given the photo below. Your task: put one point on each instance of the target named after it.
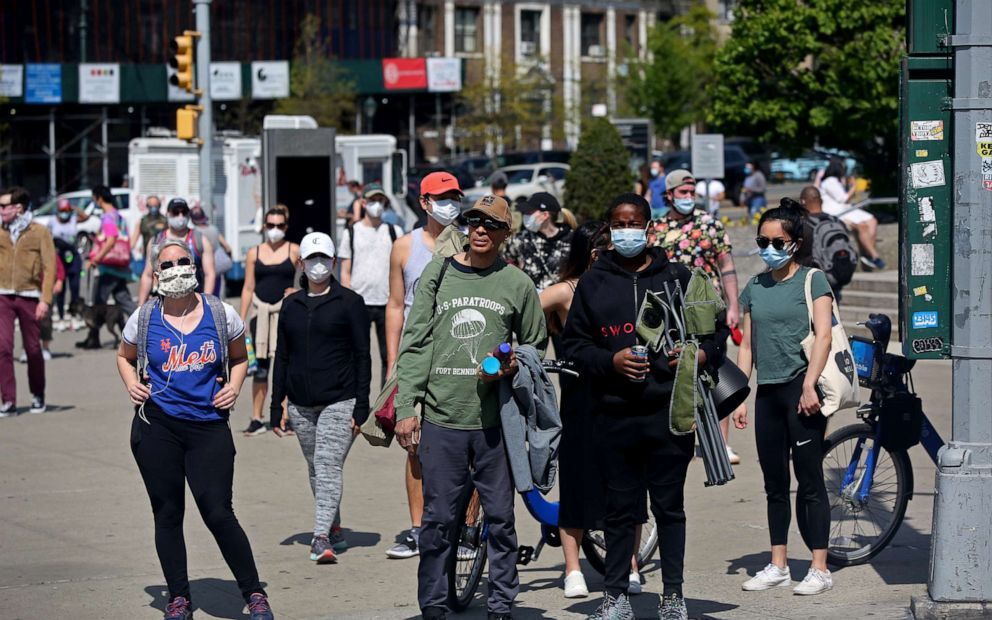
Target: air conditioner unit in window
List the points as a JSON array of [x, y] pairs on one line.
[[596, 51], [528, 48]]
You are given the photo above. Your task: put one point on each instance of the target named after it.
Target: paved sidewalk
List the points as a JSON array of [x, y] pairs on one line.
[[77, 540]]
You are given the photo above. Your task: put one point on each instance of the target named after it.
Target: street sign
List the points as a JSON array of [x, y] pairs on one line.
[[43, 84], [707, 156], [270, 79], [11, 80], [99, 83]]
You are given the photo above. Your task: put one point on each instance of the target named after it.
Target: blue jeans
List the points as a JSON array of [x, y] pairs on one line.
[[755, 204]]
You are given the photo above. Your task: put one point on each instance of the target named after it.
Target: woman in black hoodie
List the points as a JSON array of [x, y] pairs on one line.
[[632, 399], [323, 367]]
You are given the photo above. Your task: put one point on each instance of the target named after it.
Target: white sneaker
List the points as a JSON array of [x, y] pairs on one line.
[[76, 324], [7, 409], [575, 585], [769, 577], [23, 358], [634, 584], [46, 355], [735, 458], [816, 582]]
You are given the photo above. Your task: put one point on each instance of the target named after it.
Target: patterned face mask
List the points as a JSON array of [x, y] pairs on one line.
[[177, 281]]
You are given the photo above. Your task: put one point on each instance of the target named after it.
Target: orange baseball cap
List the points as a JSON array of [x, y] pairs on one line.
[[437, 183]]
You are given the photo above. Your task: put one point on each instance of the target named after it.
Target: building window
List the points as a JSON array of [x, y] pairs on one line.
[[466, 30], [592, 35], [630, 30], [427, 25], [530, 34]]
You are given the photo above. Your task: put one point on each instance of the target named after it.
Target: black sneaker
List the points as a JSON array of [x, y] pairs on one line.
[[7, 409], [495, 616], [178, 608], [672, 608], [407, 548], [38, 404], [255, 427], [434, 613]]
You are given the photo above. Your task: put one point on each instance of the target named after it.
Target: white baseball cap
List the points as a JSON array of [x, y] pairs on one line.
[[316, 243]]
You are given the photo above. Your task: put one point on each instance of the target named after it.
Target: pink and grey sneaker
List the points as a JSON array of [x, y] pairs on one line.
[[179, 608], [258, 607]]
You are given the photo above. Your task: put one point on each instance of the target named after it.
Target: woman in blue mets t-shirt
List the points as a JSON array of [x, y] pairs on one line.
[[180, 434]]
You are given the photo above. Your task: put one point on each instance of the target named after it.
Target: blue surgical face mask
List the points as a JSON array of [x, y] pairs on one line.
[[685, 206], [747, 171], [629, 242], [655, 172], [776, 259]]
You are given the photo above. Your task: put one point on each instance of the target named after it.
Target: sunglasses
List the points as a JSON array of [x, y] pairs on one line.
[[487, 223], [168, 264], [270, 226], [777, 243]]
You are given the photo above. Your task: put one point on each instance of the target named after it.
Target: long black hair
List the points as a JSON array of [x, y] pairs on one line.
[[580, 251], [836, 168], [792, 216]]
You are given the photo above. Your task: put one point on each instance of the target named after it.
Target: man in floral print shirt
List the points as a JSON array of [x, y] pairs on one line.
[[695, 238]]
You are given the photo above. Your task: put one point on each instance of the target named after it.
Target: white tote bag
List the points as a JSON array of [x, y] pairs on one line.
[[838, 382]]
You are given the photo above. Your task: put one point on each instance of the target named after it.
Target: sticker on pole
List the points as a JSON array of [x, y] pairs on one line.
[[987, 173], [925, 320], [926, 130], [983, 132], [928, 174], [921, 259]]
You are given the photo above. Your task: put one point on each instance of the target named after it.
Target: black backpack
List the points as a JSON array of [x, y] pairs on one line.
[[832, 250]]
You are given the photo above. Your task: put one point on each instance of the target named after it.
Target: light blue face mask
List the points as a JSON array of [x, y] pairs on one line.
[[629, 242], [685, 206], [777, 259]]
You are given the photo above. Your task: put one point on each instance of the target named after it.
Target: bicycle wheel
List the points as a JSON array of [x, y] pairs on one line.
[[594, 546], [862, 524], [467, 559]]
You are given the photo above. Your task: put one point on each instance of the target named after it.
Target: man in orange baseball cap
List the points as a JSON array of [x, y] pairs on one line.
[[440, 198]]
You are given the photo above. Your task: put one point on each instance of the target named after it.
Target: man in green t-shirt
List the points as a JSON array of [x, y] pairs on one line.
[[465, 307]]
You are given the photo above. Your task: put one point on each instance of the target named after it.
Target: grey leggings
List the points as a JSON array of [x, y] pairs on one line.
[[325, 438]]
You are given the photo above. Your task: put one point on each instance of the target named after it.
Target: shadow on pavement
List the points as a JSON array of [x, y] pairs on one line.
[[355, 539], [217, 597], [906, 560]]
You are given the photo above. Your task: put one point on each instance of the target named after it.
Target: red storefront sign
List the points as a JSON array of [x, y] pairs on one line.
[[404, 73]]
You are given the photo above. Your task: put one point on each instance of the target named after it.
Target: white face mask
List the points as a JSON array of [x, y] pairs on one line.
[[532, 223], [177, 281], [178, 222], [444, 211], [375, 209], [275, 235], [318, 270]]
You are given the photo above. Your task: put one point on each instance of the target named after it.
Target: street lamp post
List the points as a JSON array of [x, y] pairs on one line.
[[369, 107]]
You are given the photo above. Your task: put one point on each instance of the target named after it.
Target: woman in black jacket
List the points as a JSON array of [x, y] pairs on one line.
[[632, 397], [324, 369]]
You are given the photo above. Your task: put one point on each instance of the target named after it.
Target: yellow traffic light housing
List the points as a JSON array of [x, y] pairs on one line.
[[186, 119], [182, 60]]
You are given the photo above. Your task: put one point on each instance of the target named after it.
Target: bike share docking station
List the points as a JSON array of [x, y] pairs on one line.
[[946, 259]]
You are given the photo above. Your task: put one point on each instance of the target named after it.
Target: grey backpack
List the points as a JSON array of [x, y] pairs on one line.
[[832, 252], [220, 324]]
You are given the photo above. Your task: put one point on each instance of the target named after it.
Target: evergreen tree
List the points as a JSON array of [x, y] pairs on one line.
[[600, 170]]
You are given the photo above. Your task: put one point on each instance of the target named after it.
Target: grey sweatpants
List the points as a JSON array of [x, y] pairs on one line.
[[325, 438]]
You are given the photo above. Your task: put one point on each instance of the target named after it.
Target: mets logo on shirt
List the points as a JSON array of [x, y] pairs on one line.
[[179, 361]]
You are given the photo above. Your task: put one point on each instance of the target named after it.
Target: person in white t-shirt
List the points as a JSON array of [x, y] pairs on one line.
[[364, 252], [713, 191], [836, 202]]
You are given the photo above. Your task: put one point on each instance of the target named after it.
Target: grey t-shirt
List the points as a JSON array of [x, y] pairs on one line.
[[779, 322]]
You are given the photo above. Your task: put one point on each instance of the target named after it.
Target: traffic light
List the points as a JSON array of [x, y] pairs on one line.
[[186, 118], [182, 59]]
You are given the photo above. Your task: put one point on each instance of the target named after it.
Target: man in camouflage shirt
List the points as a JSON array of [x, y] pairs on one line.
[[542, 246]]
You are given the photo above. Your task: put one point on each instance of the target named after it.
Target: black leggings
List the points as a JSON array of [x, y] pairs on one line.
[[377, 316], [638, 455], [779, 430], [170, 452]]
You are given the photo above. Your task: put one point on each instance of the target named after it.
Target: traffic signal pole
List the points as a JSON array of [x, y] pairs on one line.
[[205, 128], [960, 583]]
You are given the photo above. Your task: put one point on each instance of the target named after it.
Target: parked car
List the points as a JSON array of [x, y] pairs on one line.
[[806, 166], [532, 157], [471, 170], [83, 200], [734, 159], [754, 151], [525, 180]]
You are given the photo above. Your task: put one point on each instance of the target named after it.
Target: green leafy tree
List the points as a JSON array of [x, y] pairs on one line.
[[600, 170], [512, 111], [816, 72], [318, 86], [671, 87]]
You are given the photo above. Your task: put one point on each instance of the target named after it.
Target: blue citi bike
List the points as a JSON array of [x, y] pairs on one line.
[[468, 562], [866, 465]]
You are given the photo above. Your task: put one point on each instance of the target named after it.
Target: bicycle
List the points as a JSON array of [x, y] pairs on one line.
[[866, 466], [467, 563]]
